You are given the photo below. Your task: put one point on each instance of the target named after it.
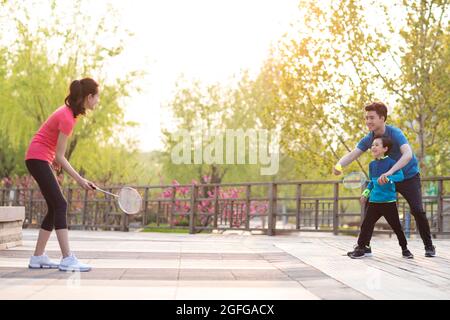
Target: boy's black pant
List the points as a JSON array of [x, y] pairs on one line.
[[374, 212], [411, 190]]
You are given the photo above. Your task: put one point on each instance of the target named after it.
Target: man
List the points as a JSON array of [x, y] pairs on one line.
[[410, 188]]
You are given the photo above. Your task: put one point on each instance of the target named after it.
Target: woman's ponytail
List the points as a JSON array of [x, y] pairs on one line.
[[78, 91]]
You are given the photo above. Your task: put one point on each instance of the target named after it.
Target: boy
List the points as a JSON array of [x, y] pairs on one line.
[[382, 200]]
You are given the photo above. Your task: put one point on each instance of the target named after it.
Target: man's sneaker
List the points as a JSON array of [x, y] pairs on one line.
[[430, 251], [367, 251], [71, 263], [42, 262], [407, 254], [358, 253]]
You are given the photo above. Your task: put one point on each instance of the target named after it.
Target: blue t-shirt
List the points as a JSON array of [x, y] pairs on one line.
[[398, 139]]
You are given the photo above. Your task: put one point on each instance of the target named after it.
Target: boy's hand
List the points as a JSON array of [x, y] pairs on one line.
[[363, 200], [383, 179]]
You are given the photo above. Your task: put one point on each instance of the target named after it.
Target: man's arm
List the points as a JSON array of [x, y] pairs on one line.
[[397, 176], [403, 161], [346, 160]]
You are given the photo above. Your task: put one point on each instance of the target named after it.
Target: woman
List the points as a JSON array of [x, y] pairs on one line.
[[47, 145]]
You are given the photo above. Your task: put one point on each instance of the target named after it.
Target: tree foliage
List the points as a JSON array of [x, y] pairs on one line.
[[318, 79], [37, 65]]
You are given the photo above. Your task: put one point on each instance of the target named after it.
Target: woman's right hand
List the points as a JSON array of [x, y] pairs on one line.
[[86, 184]]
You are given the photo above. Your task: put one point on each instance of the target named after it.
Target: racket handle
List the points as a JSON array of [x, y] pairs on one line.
[[101, 190]]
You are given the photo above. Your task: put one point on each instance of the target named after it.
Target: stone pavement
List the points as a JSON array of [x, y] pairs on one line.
[[226, 266]]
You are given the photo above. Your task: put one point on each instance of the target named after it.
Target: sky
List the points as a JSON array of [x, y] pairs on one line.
[[206, 40]]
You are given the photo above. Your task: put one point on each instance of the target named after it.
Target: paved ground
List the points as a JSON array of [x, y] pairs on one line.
[[213, 266]]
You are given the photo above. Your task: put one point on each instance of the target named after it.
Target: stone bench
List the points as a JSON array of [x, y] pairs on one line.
[[11, 220]]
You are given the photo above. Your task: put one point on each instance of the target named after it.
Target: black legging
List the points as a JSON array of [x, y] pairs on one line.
[[57, 205]]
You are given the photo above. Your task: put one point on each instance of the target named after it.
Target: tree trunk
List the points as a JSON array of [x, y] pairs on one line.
[[215, 177]]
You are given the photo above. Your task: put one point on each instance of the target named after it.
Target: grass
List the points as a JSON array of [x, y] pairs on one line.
[[163, 228]]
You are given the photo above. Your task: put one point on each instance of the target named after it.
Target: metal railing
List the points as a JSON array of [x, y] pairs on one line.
[[271, 207]]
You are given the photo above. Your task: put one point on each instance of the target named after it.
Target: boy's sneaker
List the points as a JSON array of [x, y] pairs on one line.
[[42, 262], [367, 251], [71, 263], [407, 254], [430, 251]]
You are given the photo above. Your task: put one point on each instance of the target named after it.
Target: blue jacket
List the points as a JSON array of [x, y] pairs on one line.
[[382, 193]]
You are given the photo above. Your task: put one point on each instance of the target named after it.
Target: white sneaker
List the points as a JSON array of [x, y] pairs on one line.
[[71, 263], [42, 262]]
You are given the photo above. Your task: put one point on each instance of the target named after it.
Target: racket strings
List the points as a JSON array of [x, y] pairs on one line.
[[130, 200], [354, 180]]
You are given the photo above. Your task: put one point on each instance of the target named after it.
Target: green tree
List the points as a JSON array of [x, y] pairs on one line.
[[318, 79], [200, 109], [40, 63], [317, 101], [425, 94]]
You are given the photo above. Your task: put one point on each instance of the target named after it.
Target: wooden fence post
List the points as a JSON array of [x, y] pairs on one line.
[[30, 210], [69, 203], [85, 205], [172, 207], [336, 208], [144, 215], [247, 207], [316, 215], [216, 205], [194, 191], [272, 223], [440, 201], [298, 206]]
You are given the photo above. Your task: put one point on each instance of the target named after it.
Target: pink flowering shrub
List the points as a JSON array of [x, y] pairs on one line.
[[206, 206]]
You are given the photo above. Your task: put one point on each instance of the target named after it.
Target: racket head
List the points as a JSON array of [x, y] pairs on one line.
[[130, 201], [354, 180]]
